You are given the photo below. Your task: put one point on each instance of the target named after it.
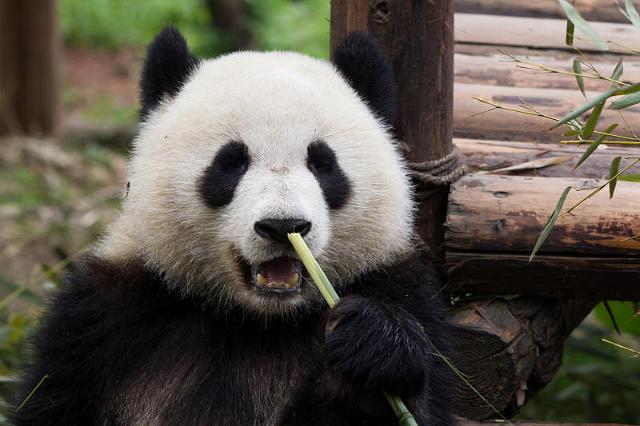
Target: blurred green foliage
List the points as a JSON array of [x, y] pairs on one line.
[[301, 25], [597, 382]]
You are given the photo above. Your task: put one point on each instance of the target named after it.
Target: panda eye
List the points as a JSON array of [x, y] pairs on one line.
[[320, 159], [334, 182], [233, 157], [219, 180]]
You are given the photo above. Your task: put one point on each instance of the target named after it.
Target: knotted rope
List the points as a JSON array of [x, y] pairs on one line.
[[434, 174]]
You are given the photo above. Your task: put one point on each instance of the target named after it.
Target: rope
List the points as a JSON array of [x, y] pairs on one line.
[[434, 174]]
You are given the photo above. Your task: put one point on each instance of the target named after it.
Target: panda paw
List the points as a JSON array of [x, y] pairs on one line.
[[375, 345]]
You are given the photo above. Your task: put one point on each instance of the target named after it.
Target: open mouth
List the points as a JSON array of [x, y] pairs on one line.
[[281, 275]]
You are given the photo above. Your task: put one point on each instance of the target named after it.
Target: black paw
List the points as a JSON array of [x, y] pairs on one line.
[[374, 345]]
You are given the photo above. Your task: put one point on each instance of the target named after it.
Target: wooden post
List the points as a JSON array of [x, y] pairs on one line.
[[29, 98], [418, 36]]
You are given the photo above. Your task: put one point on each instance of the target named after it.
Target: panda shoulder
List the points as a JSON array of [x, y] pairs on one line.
[[96, 290]]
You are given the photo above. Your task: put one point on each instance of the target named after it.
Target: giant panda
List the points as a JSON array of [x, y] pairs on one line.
[[195, 310]]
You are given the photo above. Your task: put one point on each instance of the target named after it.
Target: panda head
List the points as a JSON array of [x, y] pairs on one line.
[[236, 151]]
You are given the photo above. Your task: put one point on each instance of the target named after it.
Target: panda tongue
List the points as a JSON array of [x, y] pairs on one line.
[[278, 269]]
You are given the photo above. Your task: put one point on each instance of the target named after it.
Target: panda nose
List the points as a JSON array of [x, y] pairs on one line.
[[277, 229]]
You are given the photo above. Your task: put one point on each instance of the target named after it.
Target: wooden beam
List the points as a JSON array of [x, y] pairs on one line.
[[494, 69], [422, 58], [505, 214], [541, 33], [484, 155], [473, 274], [592, 10], [29, 98], [471, 120]]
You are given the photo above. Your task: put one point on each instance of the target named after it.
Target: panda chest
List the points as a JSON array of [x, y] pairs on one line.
[[241, 379]]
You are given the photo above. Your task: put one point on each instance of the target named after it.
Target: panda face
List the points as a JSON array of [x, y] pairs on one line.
[[253, 146]]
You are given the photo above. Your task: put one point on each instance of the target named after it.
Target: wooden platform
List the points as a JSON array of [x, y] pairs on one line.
[[520, 313], [491, 217]]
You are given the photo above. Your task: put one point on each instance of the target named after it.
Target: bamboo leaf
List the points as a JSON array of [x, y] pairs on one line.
[[590, 125], [591, 148], [584, 108], [535, 164], [582, 25], [576, 125], [625, 101], [577, 70], [631, 177], [550, 222], [613, 171], [568, 39], [629, 89], [632, 14], [531, 165], [618, 70], [611, 316]]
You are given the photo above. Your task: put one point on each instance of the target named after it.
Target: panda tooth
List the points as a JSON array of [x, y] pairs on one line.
[[261, 279], [293, 280]]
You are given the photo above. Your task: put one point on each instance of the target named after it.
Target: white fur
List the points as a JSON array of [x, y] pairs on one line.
[[276, 103]]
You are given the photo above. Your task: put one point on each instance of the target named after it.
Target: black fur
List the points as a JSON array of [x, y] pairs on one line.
[[166, 68], [116, 335], [366, 66], [220, 179], [335, 185]]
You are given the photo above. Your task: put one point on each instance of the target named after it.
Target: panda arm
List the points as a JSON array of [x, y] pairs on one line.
[[65, 363], [78, 349], [380, 336], [384, 333]]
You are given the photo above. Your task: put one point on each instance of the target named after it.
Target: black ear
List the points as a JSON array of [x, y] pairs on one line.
[[166, 68], [366, 66]]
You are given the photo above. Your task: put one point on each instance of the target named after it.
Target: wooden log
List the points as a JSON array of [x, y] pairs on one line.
[[510, 348], [483, 274], [471, 121], [494, 69], [541, 33], [592, 10], [486, 155], [29, 98], [505, 214], [425, 107]]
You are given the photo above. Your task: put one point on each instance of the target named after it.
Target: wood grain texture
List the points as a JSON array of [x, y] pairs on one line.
[[471, 120], [494, 69], [509, 348], [486, 155], [507, 213], [422, 59], [593, 10], [29, 95], [541, 33]]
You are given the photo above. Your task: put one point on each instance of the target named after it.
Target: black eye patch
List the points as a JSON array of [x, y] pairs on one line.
[[220, 179], [322, 162]]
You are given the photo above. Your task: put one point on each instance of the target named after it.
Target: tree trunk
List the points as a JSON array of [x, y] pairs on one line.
[[29, 98]]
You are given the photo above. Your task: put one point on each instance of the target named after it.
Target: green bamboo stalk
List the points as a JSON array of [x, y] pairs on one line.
[[405, 418]]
